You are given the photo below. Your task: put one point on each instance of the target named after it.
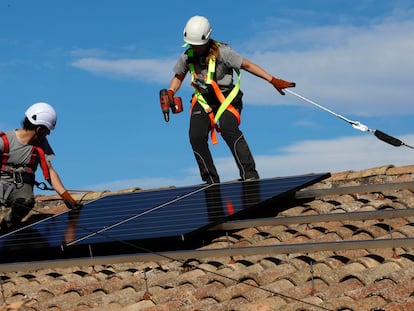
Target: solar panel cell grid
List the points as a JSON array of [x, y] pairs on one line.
[[140, 218]]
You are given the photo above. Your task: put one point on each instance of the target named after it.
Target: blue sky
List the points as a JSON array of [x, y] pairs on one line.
[[101, 64]]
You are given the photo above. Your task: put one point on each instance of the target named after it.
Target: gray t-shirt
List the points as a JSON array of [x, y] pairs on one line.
[[229, 60], [20, 154]]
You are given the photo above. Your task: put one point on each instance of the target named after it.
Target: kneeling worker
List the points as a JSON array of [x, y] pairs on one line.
[[21, 151]]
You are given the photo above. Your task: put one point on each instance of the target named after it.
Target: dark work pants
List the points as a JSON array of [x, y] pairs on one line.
[[199, 134]]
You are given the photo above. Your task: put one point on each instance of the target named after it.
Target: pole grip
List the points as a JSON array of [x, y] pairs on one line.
[[388, 139]]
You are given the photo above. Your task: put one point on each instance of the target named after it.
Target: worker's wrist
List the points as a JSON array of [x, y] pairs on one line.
[[63, 194], [69, 201], [67, 197]]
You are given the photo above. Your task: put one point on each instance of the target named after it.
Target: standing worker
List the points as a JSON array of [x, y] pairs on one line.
[[217, 100], [21, 151]]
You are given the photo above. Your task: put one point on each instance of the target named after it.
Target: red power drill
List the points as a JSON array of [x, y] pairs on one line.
[[168, 101]]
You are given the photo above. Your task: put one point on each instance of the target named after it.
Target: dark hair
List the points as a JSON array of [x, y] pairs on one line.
[[27, 125]]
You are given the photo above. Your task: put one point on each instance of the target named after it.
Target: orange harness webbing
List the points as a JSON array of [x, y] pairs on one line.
[[225, 102], [5, 154], [221, 98], [214, 126], [43, 162], [36, 150]]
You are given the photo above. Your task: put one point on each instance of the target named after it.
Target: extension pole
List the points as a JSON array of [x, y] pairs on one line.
[[355, 124]]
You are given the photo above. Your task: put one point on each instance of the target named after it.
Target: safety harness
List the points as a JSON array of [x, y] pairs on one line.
[[37, 152], [225, 102]]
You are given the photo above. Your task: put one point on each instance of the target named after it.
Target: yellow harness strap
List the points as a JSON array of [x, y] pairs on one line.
[[225, 101]]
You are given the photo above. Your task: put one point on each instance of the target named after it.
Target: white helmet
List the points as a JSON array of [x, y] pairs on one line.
[[197, 31], [42, 114]]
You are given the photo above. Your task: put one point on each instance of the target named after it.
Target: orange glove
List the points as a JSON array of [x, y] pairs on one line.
[[280, 84], [69, 201], [175, 102], [170, 96]]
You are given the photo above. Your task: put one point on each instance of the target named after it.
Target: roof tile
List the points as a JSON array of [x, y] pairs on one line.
[[405, 305], [338, 289], [401, 170]]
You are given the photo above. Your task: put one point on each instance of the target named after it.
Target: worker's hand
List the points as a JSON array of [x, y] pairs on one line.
[[280, 84], [69, 201], [176, 103], [170, 93]]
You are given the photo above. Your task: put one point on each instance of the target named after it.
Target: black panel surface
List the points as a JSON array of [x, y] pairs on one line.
[[48, 238], [154, 220]]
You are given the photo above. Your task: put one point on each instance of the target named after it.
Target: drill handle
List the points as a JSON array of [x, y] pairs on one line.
[[177, 105]]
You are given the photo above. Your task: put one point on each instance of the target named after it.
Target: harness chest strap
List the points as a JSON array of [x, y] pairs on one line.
[[225, 101], [36, 150]]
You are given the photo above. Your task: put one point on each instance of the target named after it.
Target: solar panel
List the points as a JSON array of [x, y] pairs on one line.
[[175, 218]]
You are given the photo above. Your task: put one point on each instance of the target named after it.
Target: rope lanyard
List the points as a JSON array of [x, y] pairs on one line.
[[357, 125]]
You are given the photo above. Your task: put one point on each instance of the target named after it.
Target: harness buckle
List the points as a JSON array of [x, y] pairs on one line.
[[17, 177], [200, 87], [42, 186]]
